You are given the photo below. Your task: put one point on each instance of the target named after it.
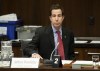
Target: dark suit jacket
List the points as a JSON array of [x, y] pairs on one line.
[[43, 43]]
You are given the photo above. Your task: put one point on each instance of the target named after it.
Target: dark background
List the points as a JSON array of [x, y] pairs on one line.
[[82, 16]]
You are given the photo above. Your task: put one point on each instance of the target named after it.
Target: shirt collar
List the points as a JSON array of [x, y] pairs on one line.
[[54, 30]]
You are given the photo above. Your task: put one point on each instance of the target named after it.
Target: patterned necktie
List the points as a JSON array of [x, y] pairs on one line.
[[60, 46]]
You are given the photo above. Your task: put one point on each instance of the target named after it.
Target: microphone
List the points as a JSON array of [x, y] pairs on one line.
[[53, 51]]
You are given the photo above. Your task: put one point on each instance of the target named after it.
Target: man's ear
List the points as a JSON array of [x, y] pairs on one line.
[[63, 17]]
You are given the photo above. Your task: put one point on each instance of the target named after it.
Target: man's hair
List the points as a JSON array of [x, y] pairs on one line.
[[56, 6]]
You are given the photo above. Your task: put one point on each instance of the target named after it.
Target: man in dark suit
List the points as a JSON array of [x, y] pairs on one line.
[[46, 38]]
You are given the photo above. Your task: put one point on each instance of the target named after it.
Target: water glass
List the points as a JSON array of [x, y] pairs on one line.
[[6, 47], [6, 52]]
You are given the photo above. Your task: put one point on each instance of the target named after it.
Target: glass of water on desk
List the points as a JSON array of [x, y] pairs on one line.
[[6, 52], [95, 59]]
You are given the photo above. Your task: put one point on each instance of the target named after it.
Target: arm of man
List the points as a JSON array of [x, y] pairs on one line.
[[31, 50]]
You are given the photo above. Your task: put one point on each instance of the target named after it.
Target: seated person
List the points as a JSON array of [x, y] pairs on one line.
[[47, 38]]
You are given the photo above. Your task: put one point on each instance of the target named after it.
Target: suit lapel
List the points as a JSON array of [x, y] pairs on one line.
[[63, 37], [65, 41], [51, 37]]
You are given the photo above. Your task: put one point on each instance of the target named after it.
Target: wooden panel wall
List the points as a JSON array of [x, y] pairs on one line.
[[35, 12]]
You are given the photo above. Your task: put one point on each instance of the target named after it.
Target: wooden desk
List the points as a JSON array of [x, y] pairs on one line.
[[45, 69], [84, 50]]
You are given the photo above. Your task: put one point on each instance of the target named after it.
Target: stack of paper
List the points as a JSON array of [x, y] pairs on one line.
[[8, 17], [79, 64]]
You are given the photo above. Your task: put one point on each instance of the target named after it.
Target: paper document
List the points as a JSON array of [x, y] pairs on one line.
[[83, 62], [95, 42], [81, 41], [8, 17], [3, 30], [66, 61]]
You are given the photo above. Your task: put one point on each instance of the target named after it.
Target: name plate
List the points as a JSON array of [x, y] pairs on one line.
[[25, 63]]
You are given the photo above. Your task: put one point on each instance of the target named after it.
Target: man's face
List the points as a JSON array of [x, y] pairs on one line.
[[56, 17]]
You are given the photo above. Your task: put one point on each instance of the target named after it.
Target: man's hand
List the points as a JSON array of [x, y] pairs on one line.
[[36, 55]]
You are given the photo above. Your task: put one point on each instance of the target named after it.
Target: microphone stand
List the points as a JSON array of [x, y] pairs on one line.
[[46, 61], [54, 50]]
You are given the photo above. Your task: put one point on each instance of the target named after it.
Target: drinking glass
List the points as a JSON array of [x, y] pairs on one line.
[[95, 59], [6, 52], [6, 47]]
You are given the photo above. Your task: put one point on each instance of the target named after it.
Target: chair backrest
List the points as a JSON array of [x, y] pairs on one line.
[[23, 45]]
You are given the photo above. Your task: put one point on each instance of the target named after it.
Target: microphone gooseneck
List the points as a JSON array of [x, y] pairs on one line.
[[54, 50]]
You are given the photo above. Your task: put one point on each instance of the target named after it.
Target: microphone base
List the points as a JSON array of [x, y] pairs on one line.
[[55, 62], [47, 62]]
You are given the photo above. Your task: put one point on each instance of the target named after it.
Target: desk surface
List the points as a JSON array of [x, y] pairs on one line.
[[46, 69]]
